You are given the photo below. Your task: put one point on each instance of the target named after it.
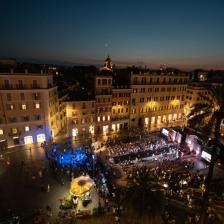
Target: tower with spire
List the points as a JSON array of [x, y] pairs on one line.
[[108, 66]]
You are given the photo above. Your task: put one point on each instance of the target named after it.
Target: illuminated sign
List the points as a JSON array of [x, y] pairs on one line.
[[206, 156], [165, 132]]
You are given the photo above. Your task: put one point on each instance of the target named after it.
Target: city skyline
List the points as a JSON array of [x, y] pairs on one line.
[[185, 35]]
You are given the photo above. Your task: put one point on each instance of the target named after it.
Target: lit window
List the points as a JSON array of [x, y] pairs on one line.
[[108, 117], [14, 130], [11, 107], [37, 106], [113, 127], [23, 106], [103, 118], [1, 131], [27, 128], [98, 119], [74, 132]]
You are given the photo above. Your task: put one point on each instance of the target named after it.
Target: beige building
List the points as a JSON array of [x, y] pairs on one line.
[[121, 96], [103, 94], [196, 93], [157, 99], [80, 117], [29, 108]]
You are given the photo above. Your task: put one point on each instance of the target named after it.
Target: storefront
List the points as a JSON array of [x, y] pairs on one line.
[[41, 138], [28, 140]]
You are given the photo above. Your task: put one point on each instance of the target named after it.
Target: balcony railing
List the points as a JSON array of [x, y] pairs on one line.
[[8, 87], [119, 118]]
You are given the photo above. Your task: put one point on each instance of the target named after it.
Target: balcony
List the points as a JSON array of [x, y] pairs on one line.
[[6, 87], [9, 87], [35, 86], [119, 118]]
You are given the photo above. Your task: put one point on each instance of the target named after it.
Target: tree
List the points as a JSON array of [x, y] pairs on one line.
[[208, 117], [143, 196]]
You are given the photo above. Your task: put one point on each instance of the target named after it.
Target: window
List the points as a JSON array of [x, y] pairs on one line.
[[108, 117], [133, 111], [98, 119], [26, 118], [20, 84], [8, 97], [1, 131], [103, 118], [12, 119], [143, 80], [133, 101], [11, 107], [23, 106], [22, 96], [104, 81], [37, 117], [37, 105], [14, 130], [98, 81], [27, 128], [6, 82], [36, 96], [34, 84]]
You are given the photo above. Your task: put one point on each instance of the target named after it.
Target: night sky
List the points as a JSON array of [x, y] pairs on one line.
[[185, 34]]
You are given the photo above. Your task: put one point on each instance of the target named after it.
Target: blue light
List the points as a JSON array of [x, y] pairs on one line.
[[74, 159]]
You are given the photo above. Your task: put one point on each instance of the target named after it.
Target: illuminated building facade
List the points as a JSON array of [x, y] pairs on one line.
[[121, 97], [103, 94], [80, 117], [157, 99], [29, 108], [196, 93]]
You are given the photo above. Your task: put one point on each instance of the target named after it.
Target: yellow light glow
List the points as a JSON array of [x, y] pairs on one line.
[[152, 104], [91, 129], [175, 102], [146, 121], [41, 138], [113, 127], [28, 140], [74, 132]]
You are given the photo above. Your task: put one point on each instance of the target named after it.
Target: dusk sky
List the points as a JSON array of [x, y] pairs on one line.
[[185, 34]]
